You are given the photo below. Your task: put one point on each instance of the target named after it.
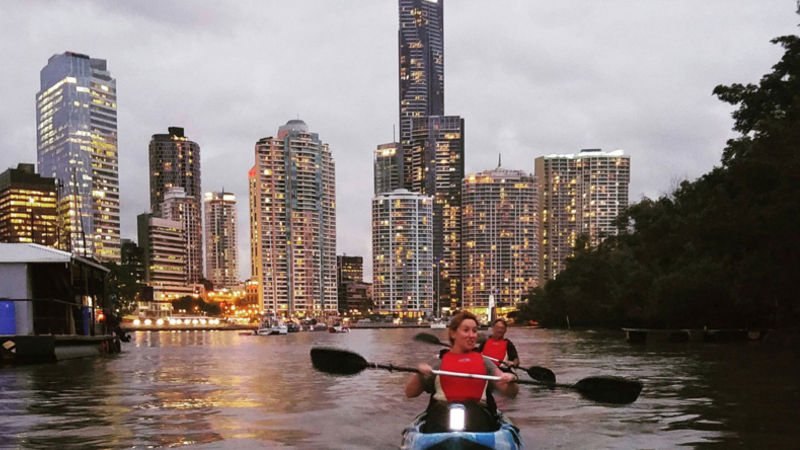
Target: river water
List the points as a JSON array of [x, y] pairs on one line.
[[226, 390]]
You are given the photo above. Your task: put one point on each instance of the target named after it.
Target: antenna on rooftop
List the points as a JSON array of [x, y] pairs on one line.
[[393, 136], [499, 156]]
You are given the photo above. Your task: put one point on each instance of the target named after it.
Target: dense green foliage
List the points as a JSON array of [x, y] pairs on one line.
[[720, 251], [193, 305]]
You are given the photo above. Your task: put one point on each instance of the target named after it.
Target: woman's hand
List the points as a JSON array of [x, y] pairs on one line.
[[506, 383]]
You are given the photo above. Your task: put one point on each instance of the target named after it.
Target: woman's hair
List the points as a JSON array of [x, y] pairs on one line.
[[455, 322]]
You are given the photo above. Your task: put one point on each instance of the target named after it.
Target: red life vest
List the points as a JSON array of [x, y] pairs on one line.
[[496, 349], [458, 389]]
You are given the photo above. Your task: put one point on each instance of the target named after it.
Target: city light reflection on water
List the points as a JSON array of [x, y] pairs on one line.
[[223, 389]]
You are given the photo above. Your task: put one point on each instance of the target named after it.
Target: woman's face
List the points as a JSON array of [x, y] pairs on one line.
[[466, 336]]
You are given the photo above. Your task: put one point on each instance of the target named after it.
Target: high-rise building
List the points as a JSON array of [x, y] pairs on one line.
[[293, 222], [174, 162], [421, 62], [28, 207], [579, 194], [435, 157], [388, 168], [175, 167], [500, 235], [350, 282], [222, 256], [402, 253], [163, 246], [349, 268], [180, 207], [76, 119]]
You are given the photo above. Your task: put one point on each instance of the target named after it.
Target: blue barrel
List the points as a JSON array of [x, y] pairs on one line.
[[87, 320], [7, 321]]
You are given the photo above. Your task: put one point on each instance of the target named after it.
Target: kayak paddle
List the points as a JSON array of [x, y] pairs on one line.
[[608, 389], [540, 374]]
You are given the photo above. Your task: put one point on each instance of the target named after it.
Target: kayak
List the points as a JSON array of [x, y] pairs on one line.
[[505, 438]]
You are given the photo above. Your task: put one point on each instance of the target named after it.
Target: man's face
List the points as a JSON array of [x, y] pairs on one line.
[[499, 330]]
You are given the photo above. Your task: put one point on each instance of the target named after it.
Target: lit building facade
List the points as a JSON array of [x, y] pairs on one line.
[[580, 193], [163, 247], [500, 233], [293, 223], [402, 253], [222, 256], [388, 168], [180, 207], [421, 62], [350, 282], [174, 163], [435, 158], [28, 207], [175, 172], [76, 119]]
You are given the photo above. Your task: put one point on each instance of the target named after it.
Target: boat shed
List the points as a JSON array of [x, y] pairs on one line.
[[48, 292]]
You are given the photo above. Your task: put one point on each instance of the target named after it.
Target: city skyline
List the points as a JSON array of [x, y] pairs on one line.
[[531, 80]]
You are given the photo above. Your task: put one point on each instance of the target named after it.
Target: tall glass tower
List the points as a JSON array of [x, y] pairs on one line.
[[76, 122], [421, 65]]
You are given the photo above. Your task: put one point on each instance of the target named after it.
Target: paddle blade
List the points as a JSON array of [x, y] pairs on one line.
[[542, 374], [337, 362], [429, 339], [609, 389]]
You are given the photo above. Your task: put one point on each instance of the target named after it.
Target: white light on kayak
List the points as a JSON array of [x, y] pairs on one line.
[[457, 417]]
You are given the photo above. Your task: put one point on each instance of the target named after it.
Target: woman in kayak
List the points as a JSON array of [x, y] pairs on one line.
[[474, 393], [499, 348]]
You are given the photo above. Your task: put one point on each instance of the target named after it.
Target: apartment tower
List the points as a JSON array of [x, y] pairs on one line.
[[500, 235], [293, 222], [402, 253], [579, 194], [222, 260]]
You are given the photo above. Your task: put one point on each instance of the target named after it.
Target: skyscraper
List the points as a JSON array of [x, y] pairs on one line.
[[76, 118], [500, 235], [174, 162], [421, 63], [388, 168], [435, 158], [28, 207], [180, 207], [580, 193], [293, 222], [222, 256], [402, 253]]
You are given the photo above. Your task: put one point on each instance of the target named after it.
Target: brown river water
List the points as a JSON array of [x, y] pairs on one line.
[[226, 390]]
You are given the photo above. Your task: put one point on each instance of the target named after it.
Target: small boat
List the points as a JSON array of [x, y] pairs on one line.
[[438, 324], [270, 326], [506, 437]]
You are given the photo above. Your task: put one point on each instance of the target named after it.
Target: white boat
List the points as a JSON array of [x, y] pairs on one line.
[[438, 324], [270, 326]]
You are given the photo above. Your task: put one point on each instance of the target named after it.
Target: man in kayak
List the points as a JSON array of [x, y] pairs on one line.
[[474, 393], [499, 348]]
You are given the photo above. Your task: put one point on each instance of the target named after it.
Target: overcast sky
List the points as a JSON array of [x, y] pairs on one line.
[[530, 77]]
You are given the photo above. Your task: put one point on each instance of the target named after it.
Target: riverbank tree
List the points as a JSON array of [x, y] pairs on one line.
[[722, 251]]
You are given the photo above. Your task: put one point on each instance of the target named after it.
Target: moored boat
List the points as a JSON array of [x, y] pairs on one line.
[[271, 326], [506, 437]]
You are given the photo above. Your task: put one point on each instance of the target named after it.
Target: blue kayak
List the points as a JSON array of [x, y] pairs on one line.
[[505, 438]]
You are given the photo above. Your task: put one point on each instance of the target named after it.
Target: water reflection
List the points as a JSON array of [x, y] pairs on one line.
[[222, 389]]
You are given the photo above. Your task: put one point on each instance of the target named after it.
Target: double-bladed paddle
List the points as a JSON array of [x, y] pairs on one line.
[[540, 374], [599, 388]]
